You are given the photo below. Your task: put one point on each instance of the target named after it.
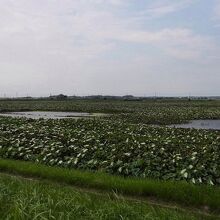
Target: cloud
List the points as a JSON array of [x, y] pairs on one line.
[[180, 43], [85, 29], [216, 11], [161, 8], [70, 43]]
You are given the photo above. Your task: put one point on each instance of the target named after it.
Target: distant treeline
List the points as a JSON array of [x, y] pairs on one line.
[[108, 97]]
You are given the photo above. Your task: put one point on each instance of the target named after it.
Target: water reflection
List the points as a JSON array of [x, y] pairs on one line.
[[50, 115], [200, 124]]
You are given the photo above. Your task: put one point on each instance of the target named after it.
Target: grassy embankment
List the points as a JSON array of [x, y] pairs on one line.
[[182, 193], [25, 199]]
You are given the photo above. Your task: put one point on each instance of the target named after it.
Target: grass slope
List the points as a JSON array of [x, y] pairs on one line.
[[180, 192], [24, 199]]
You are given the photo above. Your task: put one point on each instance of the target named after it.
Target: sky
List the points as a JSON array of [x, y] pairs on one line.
[[110, 47]]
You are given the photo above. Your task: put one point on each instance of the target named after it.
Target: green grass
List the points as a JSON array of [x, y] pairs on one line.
[[183, 193], [25, 199]]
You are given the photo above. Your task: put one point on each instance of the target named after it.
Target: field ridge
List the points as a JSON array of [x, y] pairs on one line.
[[33, 171]]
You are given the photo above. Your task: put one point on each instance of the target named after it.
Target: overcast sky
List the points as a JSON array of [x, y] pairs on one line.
[[114, 47]]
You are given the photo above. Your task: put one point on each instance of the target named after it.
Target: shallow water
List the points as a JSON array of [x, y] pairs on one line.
[[200, 124], [49, 115]]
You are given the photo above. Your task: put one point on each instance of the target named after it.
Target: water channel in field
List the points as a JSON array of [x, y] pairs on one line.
[[50, 115], [200, 124]]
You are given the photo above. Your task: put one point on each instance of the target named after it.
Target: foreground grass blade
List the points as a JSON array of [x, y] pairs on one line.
[[183, 193]]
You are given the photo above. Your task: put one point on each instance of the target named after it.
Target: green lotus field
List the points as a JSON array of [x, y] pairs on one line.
[[115, 147], [131, 141]]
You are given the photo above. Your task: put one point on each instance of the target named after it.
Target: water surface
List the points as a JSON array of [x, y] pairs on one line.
[[50, 115], [200, 124]]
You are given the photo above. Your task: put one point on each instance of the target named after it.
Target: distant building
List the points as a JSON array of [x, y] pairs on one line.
[[59, 97]]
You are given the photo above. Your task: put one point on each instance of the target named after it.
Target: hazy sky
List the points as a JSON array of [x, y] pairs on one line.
[[115, 47]]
